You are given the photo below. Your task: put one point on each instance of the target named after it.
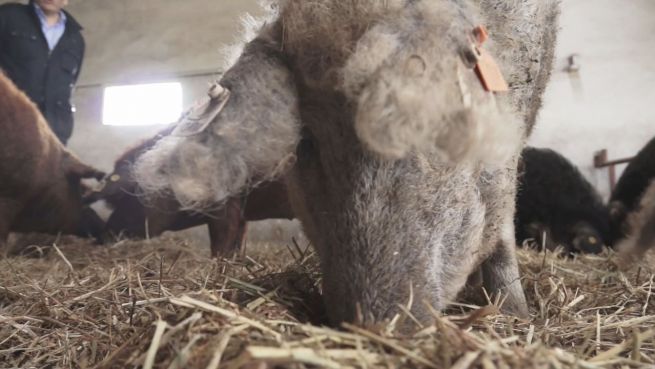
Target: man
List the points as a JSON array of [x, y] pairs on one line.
[[41, 50]]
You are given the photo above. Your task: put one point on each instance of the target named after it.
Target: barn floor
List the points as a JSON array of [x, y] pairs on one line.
[[164, 304]]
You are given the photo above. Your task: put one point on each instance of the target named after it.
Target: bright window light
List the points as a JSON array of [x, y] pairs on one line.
[[140, 105]]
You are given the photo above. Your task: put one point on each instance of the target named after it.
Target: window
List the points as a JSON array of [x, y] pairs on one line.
[[140, 105]]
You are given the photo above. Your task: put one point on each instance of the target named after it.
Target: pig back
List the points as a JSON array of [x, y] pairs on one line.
[[29, 151], [33, 168]]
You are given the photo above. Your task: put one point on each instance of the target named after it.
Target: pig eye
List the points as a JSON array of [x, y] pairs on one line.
[[115, 178]]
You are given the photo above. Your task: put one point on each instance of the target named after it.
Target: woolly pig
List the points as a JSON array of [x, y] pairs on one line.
[[554, 198], [40, 180], [400, 166], [226, 222], [630, 187]]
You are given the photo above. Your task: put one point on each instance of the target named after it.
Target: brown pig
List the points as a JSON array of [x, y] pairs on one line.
[[40, 186]]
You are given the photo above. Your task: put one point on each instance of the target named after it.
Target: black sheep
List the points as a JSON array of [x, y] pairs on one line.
[[554, 200], [630, 188]]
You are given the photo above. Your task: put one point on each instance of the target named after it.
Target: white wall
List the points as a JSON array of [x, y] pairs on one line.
[[131, 40], [611, 103]]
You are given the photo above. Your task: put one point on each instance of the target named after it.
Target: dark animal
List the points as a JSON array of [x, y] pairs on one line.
[[629, 189], [41, 189], [132, 217], [404, 175], [555, 199]]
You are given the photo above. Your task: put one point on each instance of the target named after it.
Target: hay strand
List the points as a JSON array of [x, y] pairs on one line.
[[164, 304]]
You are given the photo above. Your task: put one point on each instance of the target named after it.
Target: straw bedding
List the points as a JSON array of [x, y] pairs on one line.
[[163, 303]]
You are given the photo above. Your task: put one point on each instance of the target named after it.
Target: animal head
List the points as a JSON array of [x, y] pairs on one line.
[[120, 182], [113, 187], [585, 238]]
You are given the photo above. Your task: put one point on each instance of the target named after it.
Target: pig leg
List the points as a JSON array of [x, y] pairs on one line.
[[501, 274], [226, 231], [237, 223], [225, 239], [646, 238], [128, 220], [217, 242], [158, 224], [4, 234], [241, 235], [8, 210], [633, 248]]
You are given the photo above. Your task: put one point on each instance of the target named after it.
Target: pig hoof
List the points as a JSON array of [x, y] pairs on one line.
[[519, 310]]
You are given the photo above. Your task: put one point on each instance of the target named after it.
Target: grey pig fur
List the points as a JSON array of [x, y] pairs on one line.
[[641, 235], [405, 170]]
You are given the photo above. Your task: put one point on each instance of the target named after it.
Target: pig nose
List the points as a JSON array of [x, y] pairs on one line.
[[592, 240]]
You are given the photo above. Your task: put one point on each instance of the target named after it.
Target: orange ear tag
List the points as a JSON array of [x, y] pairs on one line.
[[487, 69], [489, 73], [481, 34]]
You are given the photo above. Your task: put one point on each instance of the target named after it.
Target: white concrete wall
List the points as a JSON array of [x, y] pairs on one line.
[[130, 40], [610, 104]]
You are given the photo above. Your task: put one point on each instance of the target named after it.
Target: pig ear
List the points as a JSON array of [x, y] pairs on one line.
[[73, 167]]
